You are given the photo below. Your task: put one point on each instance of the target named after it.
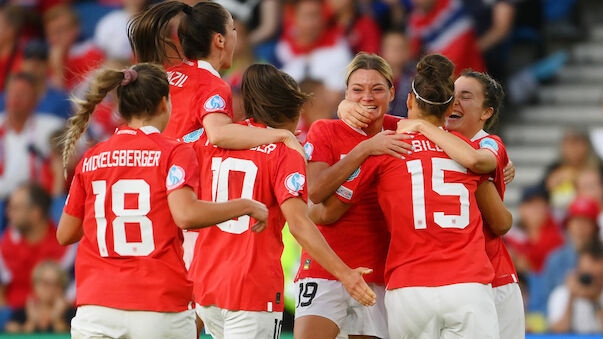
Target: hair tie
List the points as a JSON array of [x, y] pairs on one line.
[[130, 75], [188, 10], [429, 101]]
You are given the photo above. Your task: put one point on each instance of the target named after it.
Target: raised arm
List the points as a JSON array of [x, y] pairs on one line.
[[308, 236], [190, 213], [493, 209]]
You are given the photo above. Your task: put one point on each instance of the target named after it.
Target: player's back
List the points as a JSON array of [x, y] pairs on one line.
[[196, 89], [436, 227], [233, 267], [131, 245]]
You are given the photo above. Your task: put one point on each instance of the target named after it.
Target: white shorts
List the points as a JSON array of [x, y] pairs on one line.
[[93, 321], [221, 323], [453, 311], [510, 311], [329, 299]]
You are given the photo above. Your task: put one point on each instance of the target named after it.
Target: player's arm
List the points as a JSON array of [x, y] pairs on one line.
[[308, 236], [477, 160], [323, 180], [328, 211], [222, 132], [357, 116], [190, 213], [493, 209], [70, 230]]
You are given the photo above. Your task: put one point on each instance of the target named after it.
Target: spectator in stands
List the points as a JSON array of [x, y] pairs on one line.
[[29, 239], [111, 31], [47, 309], [590, 184], [577, 304], [309, 49], [395, 50], [493, 21], [560, 177], [582, 235], [538, 234], [360, 30], [24, 134], [70, 60], [51, 100], [242, 58], [11, 21], [442, 26]]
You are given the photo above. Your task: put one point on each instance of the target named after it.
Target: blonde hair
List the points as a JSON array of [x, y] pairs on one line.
[[36, 275], [368, 61], [137, 97]]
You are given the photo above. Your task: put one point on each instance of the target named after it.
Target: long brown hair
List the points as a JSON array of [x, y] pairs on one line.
[[150, 38], [433, 85], [271, 96], [140, 97]]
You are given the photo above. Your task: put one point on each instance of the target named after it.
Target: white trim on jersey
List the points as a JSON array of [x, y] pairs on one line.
[[207, 66]]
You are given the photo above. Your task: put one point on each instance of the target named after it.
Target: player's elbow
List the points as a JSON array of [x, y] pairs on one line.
[[504, 224], [217, 138], [183, 219]]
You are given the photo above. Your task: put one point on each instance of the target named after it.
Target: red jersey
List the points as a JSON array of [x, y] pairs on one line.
[[360, 237], [196, 90], [233, 267], [429, 205], [19, 259], [495, 246], [131, 246]]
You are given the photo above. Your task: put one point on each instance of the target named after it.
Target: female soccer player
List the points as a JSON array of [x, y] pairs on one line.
[[437, 270], [129, 196], [336, 151], [238, 278]]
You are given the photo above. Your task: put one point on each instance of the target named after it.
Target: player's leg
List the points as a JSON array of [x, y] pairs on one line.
[[510, 311], [159, 325], [468, 311], [412, 312], [364, 322], [213, 320], [92, 321], [321, 307], [250, 325]]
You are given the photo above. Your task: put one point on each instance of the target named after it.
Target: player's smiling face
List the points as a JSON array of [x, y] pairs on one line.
[[369, 88], [469, 114]]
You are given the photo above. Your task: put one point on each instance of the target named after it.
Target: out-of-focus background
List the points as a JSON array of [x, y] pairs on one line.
[[547, 53]]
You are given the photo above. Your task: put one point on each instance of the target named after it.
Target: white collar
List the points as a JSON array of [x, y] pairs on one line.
[[207, 66], [479, 135], [149, 129]]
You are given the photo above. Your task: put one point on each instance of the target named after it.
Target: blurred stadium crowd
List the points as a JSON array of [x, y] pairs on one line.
[[49, 48]]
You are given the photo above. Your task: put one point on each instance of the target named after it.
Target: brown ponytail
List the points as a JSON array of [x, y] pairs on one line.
[[150, 37], [433, 85], [137, 95]]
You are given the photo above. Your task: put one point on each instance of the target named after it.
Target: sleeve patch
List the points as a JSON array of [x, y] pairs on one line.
[[489, 143], [294, 183], [214, 103], [345, 192], [354, 175], [175, 177], [193, 136], [309, 149]]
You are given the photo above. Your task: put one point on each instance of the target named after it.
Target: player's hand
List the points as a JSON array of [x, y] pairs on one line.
[[388, 142], [357, 287], [409, 125], [291, 141], [354, 114], [259, 212], [509, 172]]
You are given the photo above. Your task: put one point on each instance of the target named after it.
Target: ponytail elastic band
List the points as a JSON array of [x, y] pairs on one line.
[[188, 10], [130, 75], [429, 101]]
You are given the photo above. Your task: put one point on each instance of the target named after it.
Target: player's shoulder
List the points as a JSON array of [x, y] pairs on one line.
[[492, 142]]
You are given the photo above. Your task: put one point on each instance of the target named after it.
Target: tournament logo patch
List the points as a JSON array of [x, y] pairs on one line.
[[214, 103], [354, 175], [307, 264], [489, 143], [308, 149], [193, 136], [344, 192], [175, 177], [295, 183]]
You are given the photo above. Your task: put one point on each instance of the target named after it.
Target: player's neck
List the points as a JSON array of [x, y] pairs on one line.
[[214, 59], [155, 121], [374, 127]]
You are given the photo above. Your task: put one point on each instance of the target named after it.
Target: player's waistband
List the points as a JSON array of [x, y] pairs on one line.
[[504, 280]]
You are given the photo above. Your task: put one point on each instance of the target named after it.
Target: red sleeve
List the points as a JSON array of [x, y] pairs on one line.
[[318, 143], [183, 169], [351, 190], [216, 100], [76, 199], [390, 122], [495, 145], [290, 176]]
